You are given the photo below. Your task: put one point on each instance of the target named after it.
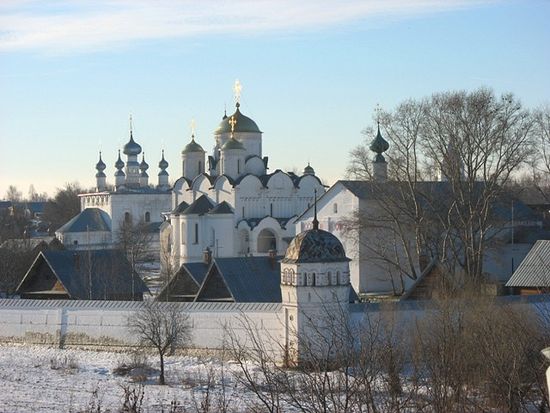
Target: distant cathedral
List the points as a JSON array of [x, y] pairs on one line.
[[227, 203], [132, 200]]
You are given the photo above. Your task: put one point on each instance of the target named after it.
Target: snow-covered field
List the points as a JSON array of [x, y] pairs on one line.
[[41, 379]]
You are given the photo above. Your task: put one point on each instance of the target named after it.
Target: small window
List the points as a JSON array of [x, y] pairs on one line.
[[270, 210], [127, 218], [147, 216], [183, 167], [75, 242], [292, 277], [196, 233], [238, 166], [183, 234], [329, 278], [335, 208], [243, 212], [199, 170]]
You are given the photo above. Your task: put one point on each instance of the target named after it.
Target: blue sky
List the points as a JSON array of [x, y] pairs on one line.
[[312, 72]]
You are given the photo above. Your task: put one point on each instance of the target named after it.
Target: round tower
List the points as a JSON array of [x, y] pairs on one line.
[[192, 159], [233, 156], [315, 290], [246, 130], [132, 149], [101, 178]]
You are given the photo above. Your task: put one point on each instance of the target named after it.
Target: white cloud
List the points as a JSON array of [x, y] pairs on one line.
[[65, 26]]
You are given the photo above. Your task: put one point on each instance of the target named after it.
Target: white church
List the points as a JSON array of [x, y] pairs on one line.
[[229, 203], [132, 199]]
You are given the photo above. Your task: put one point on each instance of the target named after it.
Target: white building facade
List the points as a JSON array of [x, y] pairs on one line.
[[229, 203]]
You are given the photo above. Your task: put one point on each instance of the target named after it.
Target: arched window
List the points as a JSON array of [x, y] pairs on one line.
[[329, 278], [339, 277], [300, 279], [183, 167], [238, 166], [334, 278], [292, 277], [335, 208], [266, 240], [147, 216], [127, 218], [200, 168], [212, 237]]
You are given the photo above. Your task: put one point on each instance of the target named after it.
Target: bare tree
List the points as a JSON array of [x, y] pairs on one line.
[[475, 141], [13, 194], [134, 240], [161, 326], [64, 206]]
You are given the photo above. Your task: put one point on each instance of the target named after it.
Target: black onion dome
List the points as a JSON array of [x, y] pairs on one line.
[[119, 164], [143, 166], [315, 245], [132, 148], [244, 124], [163, 164], [379, 145], [100, 165]]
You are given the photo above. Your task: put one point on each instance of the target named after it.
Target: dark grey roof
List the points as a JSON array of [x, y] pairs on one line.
[[91, 219], [222, 208], [315, 245], [253, 222], [180, 208], [501, 207], [5, 204], [200, 206], [534, 270], [197, 270], [109, 270], [251, 279]]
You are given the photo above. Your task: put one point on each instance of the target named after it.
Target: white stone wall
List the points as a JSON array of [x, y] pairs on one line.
[[105, 323]]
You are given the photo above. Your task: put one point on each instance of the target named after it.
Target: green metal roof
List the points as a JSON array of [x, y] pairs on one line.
[[192, 147], [244, 124], [232, 144]]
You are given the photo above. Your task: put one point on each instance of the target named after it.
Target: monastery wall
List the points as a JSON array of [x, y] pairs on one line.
[[104, 324]]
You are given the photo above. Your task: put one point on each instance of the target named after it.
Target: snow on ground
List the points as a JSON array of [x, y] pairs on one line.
[[42, 379]]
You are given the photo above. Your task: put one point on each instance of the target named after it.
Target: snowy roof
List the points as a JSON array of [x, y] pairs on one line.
[[91, 219], [534, 270]]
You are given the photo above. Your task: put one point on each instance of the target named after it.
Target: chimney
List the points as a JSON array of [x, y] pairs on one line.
[[207, 256], [271, 256]]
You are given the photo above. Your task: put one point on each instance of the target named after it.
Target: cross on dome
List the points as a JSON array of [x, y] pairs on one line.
[[237, 88], [193, 129], [232, 122]]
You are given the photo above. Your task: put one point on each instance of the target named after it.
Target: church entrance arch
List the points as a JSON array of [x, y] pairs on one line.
[[267, 240]]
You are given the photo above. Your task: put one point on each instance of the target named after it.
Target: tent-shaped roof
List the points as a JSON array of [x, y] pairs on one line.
[[106, 272], [201, 206], [91, 219], [246, 279]]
